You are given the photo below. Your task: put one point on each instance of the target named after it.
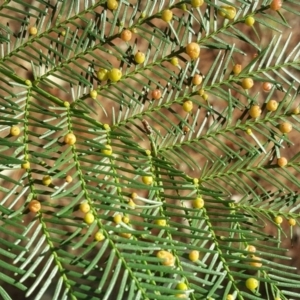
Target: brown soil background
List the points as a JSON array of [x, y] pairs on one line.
[[207, 58]]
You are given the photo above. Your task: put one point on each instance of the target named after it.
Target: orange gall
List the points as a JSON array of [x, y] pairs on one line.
[[276, 4], [254, 111], [282, 162], [256, 262], [267, 86], [70, 139], [34, 206], [251, 248], [156, 94], [33, 31], [126, 35], [197, 79], [285, 127], [192, 50], [167, 258], [69, 178]]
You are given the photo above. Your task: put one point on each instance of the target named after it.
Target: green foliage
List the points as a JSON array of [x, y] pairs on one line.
[[139, 162]]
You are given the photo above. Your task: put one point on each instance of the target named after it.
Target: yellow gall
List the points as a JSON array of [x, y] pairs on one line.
[[148, 152], [187, 105], [252, 284], [117, 218], [282, 162], [227, 12], [47, 180], [249, 21], [106, 127], [66, 104], [198, 203], [139, 57], [194, 255], [167, 15], [84, 207], [69, 178], [276, 4], [174, 61], [131, 204], [160, 222], [147, 180], [254, 111], [63, 33], [292, 222], [229, 297], [285, 127], [102, 74], [197, 79], [201, 92], [107, 150], [192, 50], [205, 96], [296, 111], [196, 3], [183, 7], [167, 258], [99, 236], [247, 83], [267, 86], [70, 139], [156, 94], [115, 74], [278, 220], [272, 105], [93, 94], [112, 4], [181, 286], [26, 165], [126, 35], [89, 218], [28, 82], [15, 130], [125, 219], [237, 68], [126, 235], [34, 206], [33, 30]]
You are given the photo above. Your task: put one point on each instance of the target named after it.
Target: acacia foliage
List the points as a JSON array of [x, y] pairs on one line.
[[166, 163]]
